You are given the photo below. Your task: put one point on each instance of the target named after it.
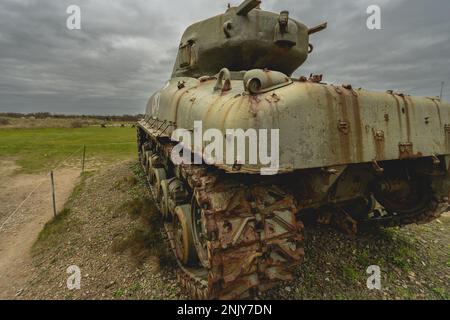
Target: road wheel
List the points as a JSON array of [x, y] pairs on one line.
[[164, 199], [154, 163], [147, 156], [184, 243], [412, 199], [143, 154], [159, 174], [199, 233]]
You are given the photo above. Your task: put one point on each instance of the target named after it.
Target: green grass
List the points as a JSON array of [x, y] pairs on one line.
[[350, 274], [148, 240], [38, 150], [363, 257], [55, 226], [441, 293], [118, 294], [52, 231]]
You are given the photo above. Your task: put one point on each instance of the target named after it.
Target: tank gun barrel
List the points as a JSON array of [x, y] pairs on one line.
[[318, 28], [247, 6]]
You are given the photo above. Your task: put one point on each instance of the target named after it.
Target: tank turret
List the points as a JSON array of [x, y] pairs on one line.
[[244, 38]]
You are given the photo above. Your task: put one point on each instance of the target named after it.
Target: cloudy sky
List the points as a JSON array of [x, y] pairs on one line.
[[126, 49]]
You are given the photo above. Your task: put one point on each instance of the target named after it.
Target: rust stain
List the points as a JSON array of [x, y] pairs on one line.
[[178, 100], [399, 114], [345, 139], [254, 105], [332, 120], [408, 118], [438, 109], [406, 151], [412, 109], [274, 109], [358, 128], [380, 144]]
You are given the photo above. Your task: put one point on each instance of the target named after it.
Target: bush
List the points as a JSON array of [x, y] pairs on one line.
[[76, 124], [4, 122]]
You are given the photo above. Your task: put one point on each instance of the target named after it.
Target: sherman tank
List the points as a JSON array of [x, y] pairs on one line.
[[346, 156]]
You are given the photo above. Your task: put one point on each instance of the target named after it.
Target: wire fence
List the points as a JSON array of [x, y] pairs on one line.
[[80, 152]]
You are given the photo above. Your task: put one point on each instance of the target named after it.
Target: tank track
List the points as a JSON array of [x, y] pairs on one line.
[[349, 223], [379, 216], [254, 240], [434, 210]]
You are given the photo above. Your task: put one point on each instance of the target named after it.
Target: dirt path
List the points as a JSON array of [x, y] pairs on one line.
[[19, 231]]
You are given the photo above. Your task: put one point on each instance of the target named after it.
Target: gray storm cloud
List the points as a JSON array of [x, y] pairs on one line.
[[126, 49]]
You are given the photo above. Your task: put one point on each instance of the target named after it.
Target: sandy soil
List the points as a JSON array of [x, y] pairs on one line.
[[19, 231]]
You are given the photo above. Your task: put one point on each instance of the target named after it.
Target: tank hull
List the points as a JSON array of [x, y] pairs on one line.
[[319, 125], [349, 158]]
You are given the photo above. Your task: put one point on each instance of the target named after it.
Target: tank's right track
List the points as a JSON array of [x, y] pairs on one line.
[[254, 239], [382, 217], [434, 210]]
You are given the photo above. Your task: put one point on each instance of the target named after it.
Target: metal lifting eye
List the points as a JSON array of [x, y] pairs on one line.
[[223, 81]]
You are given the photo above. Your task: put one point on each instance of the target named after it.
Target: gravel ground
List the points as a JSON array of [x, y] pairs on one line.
[[414, 263], [106, 230]]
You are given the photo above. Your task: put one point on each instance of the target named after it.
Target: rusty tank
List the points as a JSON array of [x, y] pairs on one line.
[[348, 157]]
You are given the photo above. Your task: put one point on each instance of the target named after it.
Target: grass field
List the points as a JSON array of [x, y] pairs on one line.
[[36, 150]]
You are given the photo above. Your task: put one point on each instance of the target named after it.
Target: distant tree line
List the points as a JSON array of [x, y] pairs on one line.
[[44, 115]]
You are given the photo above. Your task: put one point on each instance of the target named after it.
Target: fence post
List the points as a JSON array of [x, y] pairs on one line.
[[83, 159], [53, 193]]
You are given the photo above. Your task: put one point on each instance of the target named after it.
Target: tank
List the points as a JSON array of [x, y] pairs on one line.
[[348, 157]]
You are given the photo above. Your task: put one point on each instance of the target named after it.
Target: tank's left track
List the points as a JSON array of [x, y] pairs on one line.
[[232, 238]]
